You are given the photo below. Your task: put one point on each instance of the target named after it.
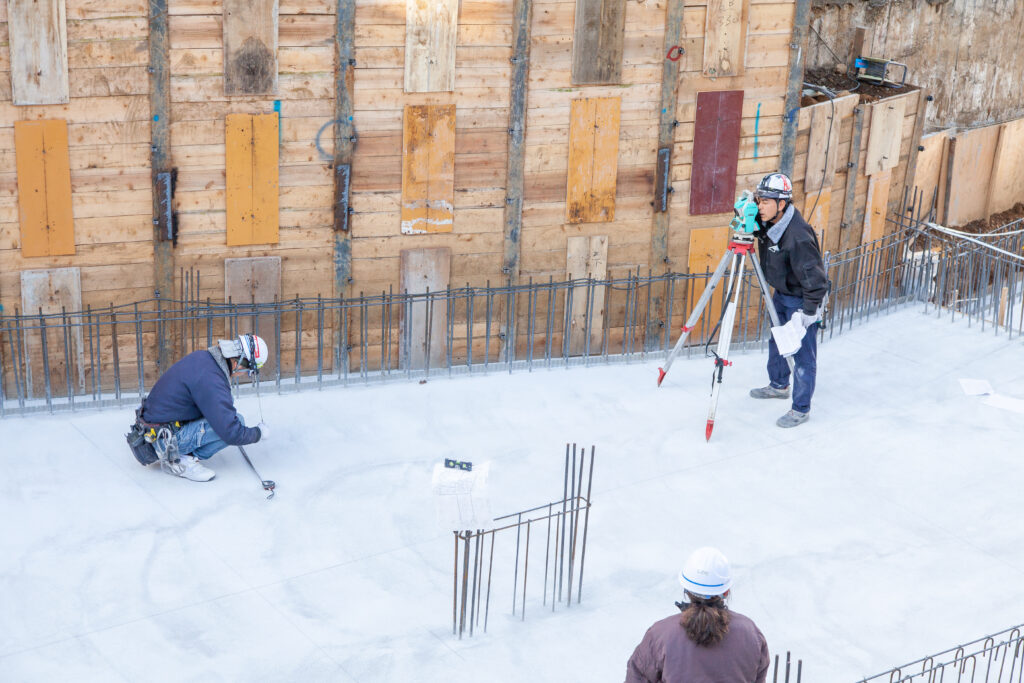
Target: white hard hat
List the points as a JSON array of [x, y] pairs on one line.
[[706, 573], [250, 350], [775, 186]]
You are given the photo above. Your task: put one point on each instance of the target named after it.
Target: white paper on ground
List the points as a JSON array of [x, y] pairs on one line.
[[976, 387], [460, 497], [788, 336], [1005, 402]]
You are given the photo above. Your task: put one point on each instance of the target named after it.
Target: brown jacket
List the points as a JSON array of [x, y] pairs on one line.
[[667, 655]]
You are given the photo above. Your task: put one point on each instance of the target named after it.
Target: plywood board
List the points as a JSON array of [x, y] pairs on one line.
[[598, 36], [431, 28], [877, 203], [586, 257], [822, 148], [1008, 170], [817, 207], [250, 47], [44, 188], [428, 169], [53, 291], [251, 178], [885, 135], [929, 166], [593, 160], [38, 37], [255, 280], [716, 146], [423, 323], [707, 246], [969, 171], [725, 37]]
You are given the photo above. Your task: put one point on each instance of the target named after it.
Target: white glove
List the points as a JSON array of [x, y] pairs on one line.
[[807, 320], [264, 431]]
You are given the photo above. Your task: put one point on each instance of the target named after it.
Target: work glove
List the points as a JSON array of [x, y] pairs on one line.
[[807, 319], [264, 431]]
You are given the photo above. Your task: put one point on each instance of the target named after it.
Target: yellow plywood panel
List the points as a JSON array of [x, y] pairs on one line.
[[725, 37], [885, 134], [877, 201], [44, 188], [593, 160], [265, 143], [707, 246], [428, 169], [430, 32], [816, 211], [238, 172]]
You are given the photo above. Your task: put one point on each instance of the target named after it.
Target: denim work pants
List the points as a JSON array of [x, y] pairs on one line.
[[198, 438], [805, 360]]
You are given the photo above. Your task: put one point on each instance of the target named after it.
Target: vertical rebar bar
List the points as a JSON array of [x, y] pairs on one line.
[[465, 584], [319, 342], [586, 523], [490, 569], [138, 353], [515, 575], [455, 586], [116, 353], [46, 362], [526, 570], [66, 333], [565, 493], [298, 339]]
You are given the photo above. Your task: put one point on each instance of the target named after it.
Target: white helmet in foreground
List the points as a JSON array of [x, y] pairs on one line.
[[250, 350], [706, 573]]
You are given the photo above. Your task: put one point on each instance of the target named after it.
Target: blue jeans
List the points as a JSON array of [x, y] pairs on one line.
[[198, 438], [805, 360]]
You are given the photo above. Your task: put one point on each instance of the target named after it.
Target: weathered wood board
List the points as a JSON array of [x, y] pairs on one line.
[[1007, 184], [255, 280], [598, 36], [428, 169], [44, 188], [725, 37], [38, 37], [970, 169], [929, 168], [716, 145], [431, 28], [250, 47], [586, 257], [877, 205], [251, 177], [53, 291], [423, 323], [593, 159], [885, 135]]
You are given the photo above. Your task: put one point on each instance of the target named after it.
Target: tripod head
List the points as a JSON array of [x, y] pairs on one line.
[[744, 220]]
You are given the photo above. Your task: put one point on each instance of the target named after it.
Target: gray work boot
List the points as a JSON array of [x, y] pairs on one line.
[[792, 419], [769, 392]]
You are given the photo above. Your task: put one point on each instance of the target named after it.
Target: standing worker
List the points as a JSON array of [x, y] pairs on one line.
[[708, 642], [791, 259], [190, 414]]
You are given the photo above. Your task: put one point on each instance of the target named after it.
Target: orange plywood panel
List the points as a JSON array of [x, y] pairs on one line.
[[44, 188], [265, 145], [59, 219], [428, 169], [593, 160], [238, 172]]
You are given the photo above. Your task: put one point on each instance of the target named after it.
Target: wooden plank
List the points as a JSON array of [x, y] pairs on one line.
[[38, 37], [715, 151], [44, 187], [593, 159], [428, 167], [847, 232], [970, 168], [586, 257], [53, 291], [250, 47], [822, 149], [255, 280], [915, 148], [817, 206], [1008, 177], [421, 270], [431, 29], [516, 153], [265, 209], [929, 167], [725, 37], [994, 173], [877, 204], [794, 85], [885, 135], [597, 43], [238, 172], [707, 246], [159, 111]]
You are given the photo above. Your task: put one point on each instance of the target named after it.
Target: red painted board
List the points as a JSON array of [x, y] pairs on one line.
[[716, 149]]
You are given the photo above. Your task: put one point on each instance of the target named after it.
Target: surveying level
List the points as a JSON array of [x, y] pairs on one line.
[[875, 71], [741, 244]]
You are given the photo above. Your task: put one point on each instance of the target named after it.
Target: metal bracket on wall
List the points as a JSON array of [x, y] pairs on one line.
[[166, 218], [662, 184], [343, 178]]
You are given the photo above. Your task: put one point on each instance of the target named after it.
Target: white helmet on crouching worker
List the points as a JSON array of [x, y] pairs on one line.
[[250, 350], [706, 573], [775, 186]]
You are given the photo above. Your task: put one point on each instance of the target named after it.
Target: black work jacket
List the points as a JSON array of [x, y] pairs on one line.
[[794, 266]]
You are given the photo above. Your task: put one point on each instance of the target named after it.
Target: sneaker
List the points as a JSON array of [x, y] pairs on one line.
[[793, 418], [190, 467], [769, 392]]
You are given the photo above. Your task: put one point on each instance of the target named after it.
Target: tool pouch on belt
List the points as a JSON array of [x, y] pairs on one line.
[[142, 439]]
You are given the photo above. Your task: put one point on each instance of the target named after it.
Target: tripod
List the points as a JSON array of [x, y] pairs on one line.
[[741, 244]]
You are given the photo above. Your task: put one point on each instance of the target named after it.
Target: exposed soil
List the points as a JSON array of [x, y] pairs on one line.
[[997, 220], [842, 84]]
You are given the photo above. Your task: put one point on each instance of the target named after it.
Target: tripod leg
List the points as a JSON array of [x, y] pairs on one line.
[[702, 303], [772, 313], [724, 341]]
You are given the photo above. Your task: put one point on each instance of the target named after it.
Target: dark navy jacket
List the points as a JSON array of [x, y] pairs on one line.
[[194, 387], [793, 266]]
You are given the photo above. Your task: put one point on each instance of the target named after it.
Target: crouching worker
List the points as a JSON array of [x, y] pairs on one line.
[[708, 642], [190, 413]]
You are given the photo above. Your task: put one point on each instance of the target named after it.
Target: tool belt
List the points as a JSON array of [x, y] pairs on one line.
[[152, 441]]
